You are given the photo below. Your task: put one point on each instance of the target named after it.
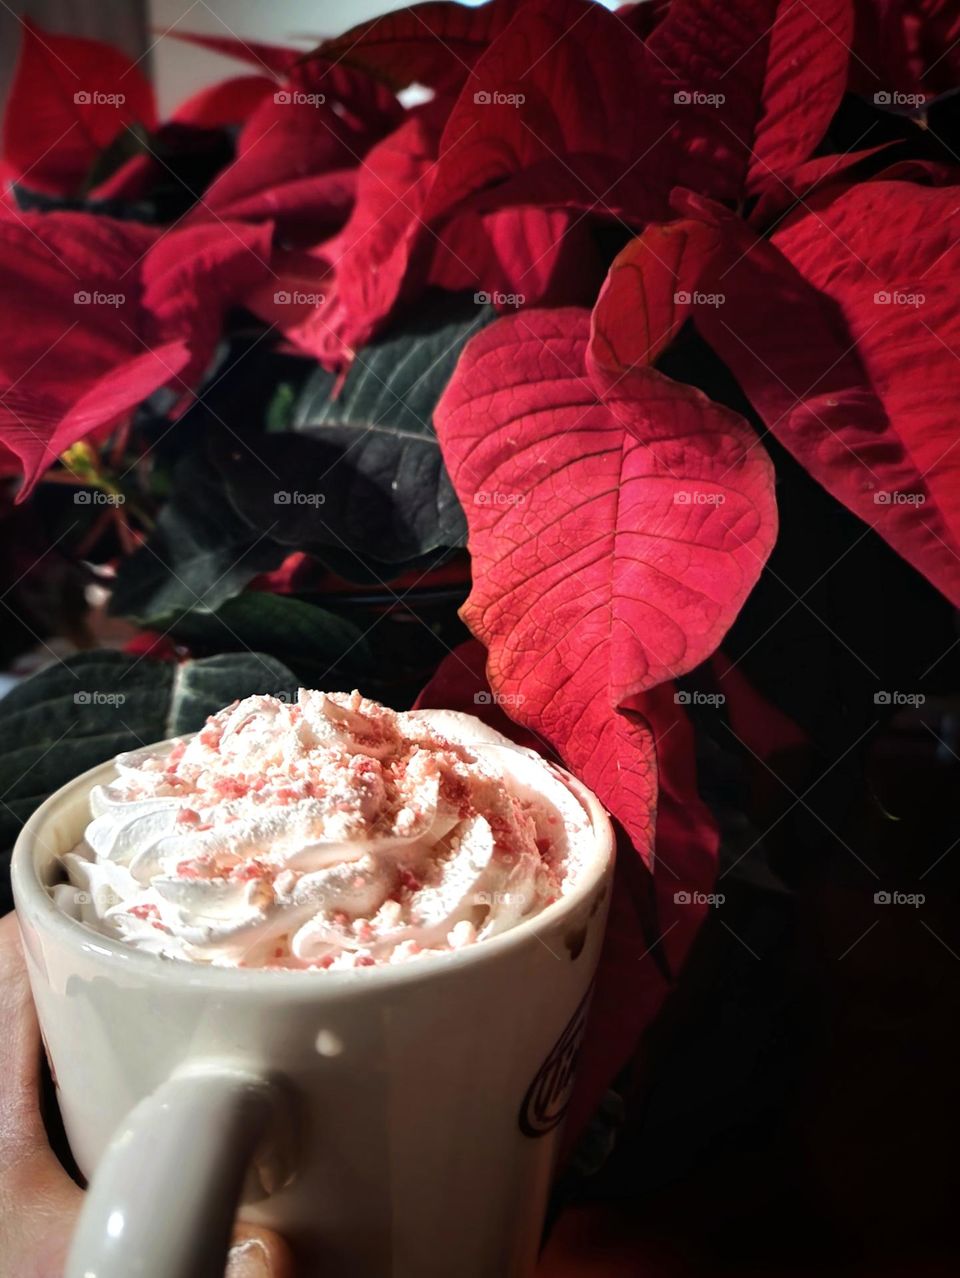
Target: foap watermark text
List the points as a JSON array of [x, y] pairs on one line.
[[498, 698], [493, 97], [97, 698], [699, 699], [283, 497]]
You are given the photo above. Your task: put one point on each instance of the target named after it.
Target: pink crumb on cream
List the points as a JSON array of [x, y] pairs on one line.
[[335, 833]]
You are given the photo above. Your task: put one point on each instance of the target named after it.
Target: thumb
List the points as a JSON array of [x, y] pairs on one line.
[[258, 1253]]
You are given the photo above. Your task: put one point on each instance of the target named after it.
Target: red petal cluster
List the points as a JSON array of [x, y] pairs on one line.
[[857, 384], [70, 99], [106, 313]]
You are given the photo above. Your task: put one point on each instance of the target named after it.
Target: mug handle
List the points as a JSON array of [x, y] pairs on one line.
[[164, 1196]]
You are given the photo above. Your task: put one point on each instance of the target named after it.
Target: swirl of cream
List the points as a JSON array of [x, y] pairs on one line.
[[332, 832]]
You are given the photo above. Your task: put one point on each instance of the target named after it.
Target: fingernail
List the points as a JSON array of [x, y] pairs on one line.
[[248, 1259]]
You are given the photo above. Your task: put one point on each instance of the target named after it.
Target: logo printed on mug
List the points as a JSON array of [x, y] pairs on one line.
[[549, 1094]]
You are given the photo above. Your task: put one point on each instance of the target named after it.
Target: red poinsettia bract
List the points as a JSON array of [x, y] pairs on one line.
[[856, 382], [105, 314], [617, 524], [69, 101]]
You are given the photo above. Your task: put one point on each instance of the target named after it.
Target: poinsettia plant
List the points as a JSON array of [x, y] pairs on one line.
[[533, 308]]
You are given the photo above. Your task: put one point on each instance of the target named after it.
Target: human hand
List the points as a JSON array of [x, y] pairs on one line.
[[39, 1203]]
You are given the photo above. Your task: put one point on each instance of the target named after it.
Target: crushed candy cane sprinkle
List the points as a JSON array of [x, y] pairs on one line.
[[331, 832]]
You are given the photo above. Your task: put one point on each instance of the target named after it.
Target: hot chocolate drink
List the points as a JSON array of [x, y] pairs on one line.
[[326, 833]]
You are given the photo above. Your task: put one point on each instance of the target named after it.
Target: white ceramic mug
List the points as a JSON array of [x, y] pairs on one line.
[[391, 1122]]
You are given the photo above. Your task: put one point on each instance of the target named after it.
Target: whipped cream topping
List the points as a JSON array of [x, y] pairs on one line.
[[332, 832]]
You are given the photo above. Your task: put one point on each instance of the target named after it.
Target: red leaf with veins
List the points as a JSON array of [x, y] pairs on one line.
[[779, 70], [430, 43], [107, 313], [861, 400], [346, 105], [799, 183], [192, 275], [306, 209], [297, 154], [275, 58], [38, 427], [592, 582], [549, 95], [463, 195], [383, 254], [63, 108], [519, 257], [648, 293], [55, 264]]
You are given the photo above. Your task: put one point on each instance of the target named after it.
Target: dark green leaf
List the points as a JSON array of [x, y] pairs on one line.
[[362, 473], [321, 647], [200, 554]]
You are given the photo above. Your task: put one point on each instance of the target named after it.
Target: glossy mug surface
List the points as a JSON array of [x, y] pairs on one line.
[[392, 1122]]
